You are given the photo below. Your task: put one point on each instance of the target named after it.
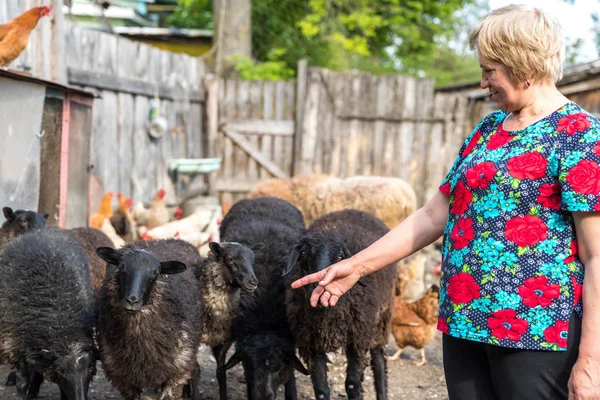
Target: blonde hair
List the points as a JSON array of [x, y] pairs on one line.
[[526, 40]]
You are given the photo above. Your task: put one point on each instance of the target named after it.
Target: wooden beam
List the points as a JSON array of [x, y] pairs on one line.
[[384, 118], [301, 88], [113, 83], [235, 185], [212, 116], [253, 152], [579, 87], [261, 127]]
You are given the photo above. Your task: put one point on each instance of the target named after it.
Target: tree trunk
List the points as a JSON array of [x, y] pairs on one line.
[[233, 32]]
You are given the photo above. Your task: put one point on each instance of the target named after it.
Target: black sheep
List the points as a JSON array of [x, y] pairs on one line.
[[222, 276], [150, 319], [264, 343], [261, 208], [47, 313], [19, 222], [360, 321]]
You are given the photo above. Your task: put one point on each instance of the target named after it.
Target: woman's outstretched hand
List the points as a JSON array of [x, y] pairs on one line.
[[334, 281]]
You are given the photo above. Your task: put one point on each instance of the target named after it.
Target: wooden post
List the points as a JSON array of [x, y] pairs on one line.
[[212, 117], [301, 82], [58, 65]]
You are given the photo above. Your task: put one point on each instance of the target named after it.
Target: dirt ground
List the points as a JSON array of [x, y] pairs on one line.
[[405, 380]]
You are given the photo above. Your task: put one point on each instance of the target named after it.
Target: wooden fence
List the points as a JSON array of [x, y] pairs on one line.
[[342, 124]]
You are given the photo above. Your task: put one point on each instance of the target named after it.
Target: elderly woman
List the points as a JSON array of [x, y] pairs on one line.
[[517, 214]]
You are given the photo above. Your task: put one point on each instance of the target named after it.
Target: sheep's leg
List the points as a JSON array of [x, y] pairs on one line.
[[22, 380], [171, 392], [354, 373], [318, 375], [35, 382], [63, 395], [220, 353], [195, 383], [11, 380], [379, 367], [290, 388]]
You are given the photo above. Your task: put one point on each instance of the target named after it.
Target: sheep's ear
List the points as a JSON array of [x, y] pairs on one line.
[[9, 214], [257, 247], [292, 261], [109, 255], [235, 359], [296, 363], [45, 216], [41, 360], [216, 249], [172, 267]]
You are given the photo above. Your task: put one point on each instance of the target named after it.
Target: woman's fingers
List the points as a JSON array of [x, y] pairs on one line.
[[316, 293], [312, 278]]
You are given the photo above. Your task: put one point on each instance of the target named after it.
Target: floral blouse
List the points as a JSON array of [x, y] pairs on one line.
[[511, 275]]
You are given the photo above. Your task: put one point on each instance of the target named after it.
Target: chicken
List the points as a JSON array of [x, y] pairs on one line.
[[104, 211], [195, 228], [410, 283], [157, 215], [109, 231], [14, 35], [414, 324], [123, 221]]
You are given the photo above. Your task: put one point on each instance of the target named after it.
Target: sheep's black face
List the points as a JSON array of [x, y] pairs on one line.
[[137, 273], [239, 261], [73, 372], [315, 252], [269, 362], [21, 221]]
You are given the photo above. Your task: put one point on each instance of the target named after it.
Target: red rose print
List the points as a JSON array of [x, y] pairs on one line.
[[462, 288], [574, 251], [480, 175], [526, 231], [550, 196], [472, 144], [505, 324], [558, 334], [597, 149], [462, 233], [499, 139], [462, 199], [577, 290], [573, 123], [442, 325], [529, 165], [536, 292], [584, 178], [445, 188], [597, 206]]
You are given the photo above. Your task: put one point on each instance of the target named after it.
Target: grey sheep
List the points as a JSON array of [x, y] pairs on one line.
[[360, 321], [47, 313], [150, 320]]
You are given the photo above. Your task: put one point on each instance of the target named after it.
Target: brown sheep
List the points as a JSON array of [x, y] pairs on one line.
[[389, 199]]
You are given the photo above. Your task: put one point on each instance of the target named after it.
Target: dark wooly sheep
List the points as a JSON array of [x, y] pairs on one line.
[[360, 321], [264, 343], [90, 239], [150, 320], [222, 276], [47, 317], [19, 222], [262, 207]]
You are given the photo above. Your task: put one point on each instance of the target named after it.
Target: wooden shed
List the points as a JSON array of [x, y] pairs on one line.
[[45, 145]]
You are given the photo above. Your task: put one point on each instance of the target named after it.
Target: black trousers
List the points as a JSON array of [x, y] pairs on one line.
[[479, 371]]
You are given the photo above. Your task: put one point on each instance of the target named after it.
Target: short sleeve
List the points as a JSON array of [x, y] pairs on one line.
[[450, 179], [578, 162]]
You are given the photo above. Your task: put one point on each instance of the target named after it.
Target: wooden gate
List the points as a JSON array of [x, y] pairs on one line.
[[254, 134]]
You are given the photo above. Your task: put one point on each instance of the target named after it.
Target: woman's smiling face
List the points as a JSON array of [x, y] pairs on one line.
[[496, 79]]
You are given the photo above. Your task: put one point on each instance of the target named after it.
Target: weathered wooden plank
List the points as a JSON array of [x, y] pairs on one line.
[[253, 152], [311, 123], [111, 82], [278, 142], [256, 112], [213, 88], [290, 113], [354, 141], [229, 111], [240, 157], [268, 112], [268, 127], [235, 185], [126, 133], [301, 88]]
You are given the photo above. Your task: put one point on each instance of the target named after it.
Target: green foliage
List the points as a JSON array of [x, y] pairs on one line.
[[378, 36], [273, 69], [192, 14]]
